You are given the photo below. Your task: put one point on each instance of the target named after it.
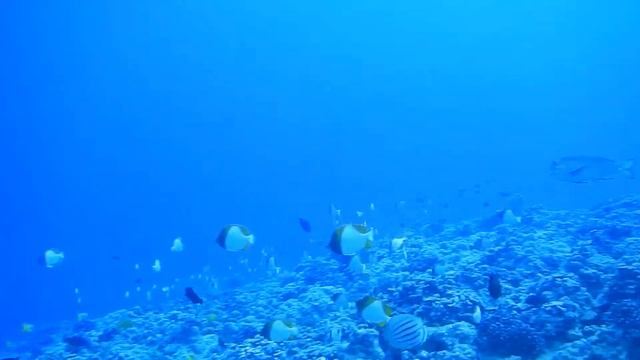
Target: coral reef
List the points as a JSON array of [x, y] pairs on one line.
[[570, 289]]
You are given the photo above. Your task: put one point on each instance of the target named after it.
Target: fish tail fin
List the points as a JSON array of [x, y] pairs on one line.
[[627, 169]]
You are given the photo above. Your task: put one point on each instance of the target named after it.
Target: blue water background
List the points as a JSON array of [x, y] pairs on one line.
[[126, 124]]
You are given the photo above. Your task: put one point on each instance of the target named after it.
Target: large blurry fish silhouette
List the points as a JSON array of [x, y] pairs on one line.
[[495, 288], [192, 296], [588, 169]]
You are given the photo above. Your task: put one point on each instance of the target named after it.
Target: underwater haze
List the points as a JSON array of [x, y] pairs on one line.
[[127, 124]]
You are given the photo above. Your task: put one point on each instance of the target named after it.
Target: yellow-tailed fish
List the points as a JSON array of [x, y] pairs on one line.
[[279, 330], [350, 239], [235, 238], [373, 310]]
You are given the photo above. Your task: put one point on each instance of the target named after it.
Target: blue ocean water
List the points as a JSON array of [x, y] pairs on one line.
[[124, 125]]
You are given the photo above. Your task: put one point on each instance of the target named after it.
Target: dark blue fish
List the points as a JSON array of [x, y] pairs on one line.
[[495, 288], [304, 224], [77, 341], [536, 299], [192, 296]]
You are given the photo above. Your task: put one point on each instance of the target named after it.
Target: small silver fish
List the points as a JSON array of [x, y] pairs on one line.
[[587, 169], [477, 315]]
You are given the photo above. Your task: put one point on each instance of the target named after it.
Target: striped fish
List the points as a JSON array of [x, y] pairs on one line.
[[404, 332]]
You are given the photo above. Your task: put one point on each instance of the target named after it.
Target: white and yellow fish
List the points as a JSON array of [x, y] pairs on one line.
[[397, 243], [272, 268], [509, 218], [235, 238], [350, 239], [279, 330], [477, 315], [373, 310], [53, 257], [156, 266], [177, 246]]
